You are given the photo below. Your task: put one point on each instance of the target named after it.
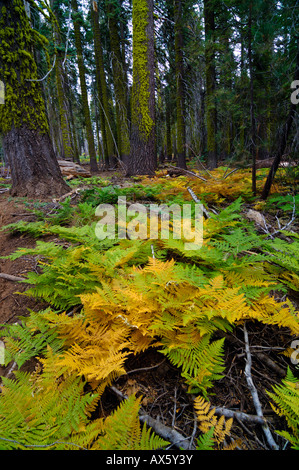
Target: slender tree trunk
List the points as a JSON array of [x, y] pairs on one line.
[[252, 117], [282, 143], [103, 105], [168, 126], [180, 89], [119, 81], [86, 111], [210, 83], [23, 122], [143, 146]]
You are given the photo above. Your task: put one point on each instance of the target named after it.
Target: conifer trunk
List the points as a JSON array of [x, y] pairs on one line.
[[211, 115], [103, 105], [180, 91], [143, 140], [119, 82], [86, 111], [23, 122]]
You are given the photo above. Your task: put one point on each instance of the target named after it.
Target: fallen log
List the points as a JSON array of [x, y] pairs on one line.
[[72, 169]]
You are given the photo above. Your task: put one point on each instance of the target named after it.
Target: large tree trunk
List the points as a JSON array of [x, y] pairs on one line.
[[23, 122], [34, 169], [143, 138]]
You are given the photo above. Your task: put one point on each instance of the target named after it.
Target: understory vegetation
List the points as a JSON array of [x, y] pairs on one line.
[[108, 302]]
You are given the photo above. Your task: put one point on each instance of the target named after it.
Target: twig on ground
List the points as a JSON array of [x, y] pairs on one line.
[[188, 172], [167, 433], [254, 394], [9, 277], [220, 410], [195, 198]]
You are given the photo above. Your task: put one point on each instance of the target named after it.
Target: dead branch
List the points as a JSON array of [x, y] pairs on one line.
[[9, 277], [254, 394], [188, 172], [167, 433], [220, 410], [195, 198]]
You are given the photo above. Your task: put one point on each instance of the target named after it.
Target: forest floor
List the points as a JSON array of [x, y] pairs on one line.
[[164, 392]]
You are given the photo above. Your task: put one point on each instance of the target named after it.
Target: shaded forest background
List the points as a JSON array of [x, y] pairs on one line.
[[223, 74]]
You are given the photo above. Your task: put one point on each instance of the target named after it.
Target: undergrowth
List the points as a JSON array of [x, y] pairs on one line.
[[111, 299]]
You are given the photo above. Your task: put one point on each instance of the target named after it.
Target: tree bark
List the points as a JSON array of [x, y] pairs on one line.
[[103, 105], [211, 115], [86, 111], [252, 117], [143, 141], [282, 143], [120, 84], [180, 89], [23, 123], [34, 168]]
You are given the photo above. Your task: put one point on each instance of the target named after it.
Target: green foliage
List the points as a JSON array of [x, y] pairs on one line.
[[286, 403], [131, 301], [30, 338], [122, 430]]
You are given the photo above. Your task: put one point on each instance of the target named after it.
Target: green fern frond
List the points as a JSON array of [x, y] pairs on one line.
[[286, 403], [122, 430]]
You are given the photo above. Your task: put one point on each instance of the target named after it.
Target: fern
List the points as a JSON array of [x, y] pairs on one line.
[[30, 338], [201, 364], [122, 430], [36, 412], [209, 424], [286, 403]]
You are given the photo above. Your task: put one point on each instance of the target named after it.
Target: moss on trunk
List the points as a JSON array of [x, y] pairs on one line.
[[23, 120], [143, 148]]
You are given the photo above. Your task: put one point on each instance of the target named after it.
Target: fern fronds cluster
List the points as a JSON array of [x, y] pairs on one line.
[[286, 403], [129, 301], [208, 423]]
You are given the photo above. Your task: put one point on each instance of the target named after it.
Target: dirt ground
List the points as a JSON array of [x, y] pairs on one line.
[[12, 305]]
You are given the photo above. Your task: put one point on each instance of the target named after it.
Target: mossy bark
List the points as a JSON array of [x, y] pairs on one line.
[[84, 96], [104, 109], [180, 90], [211, 115], [143, 139], [23, 121], [119, 82]]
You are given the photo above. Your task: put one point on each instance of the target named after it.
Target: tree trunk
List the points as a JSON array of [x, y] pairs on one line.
[[120, 84], [86, 111], [34, 168], [103, 105], [143, 143], [180, 89], [23, 122], [282, 143], [210, 83], [252, 117]]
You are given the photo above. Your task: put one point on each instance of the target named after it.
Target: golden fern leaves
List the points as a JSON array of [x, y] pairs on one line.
[[207, 419]]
